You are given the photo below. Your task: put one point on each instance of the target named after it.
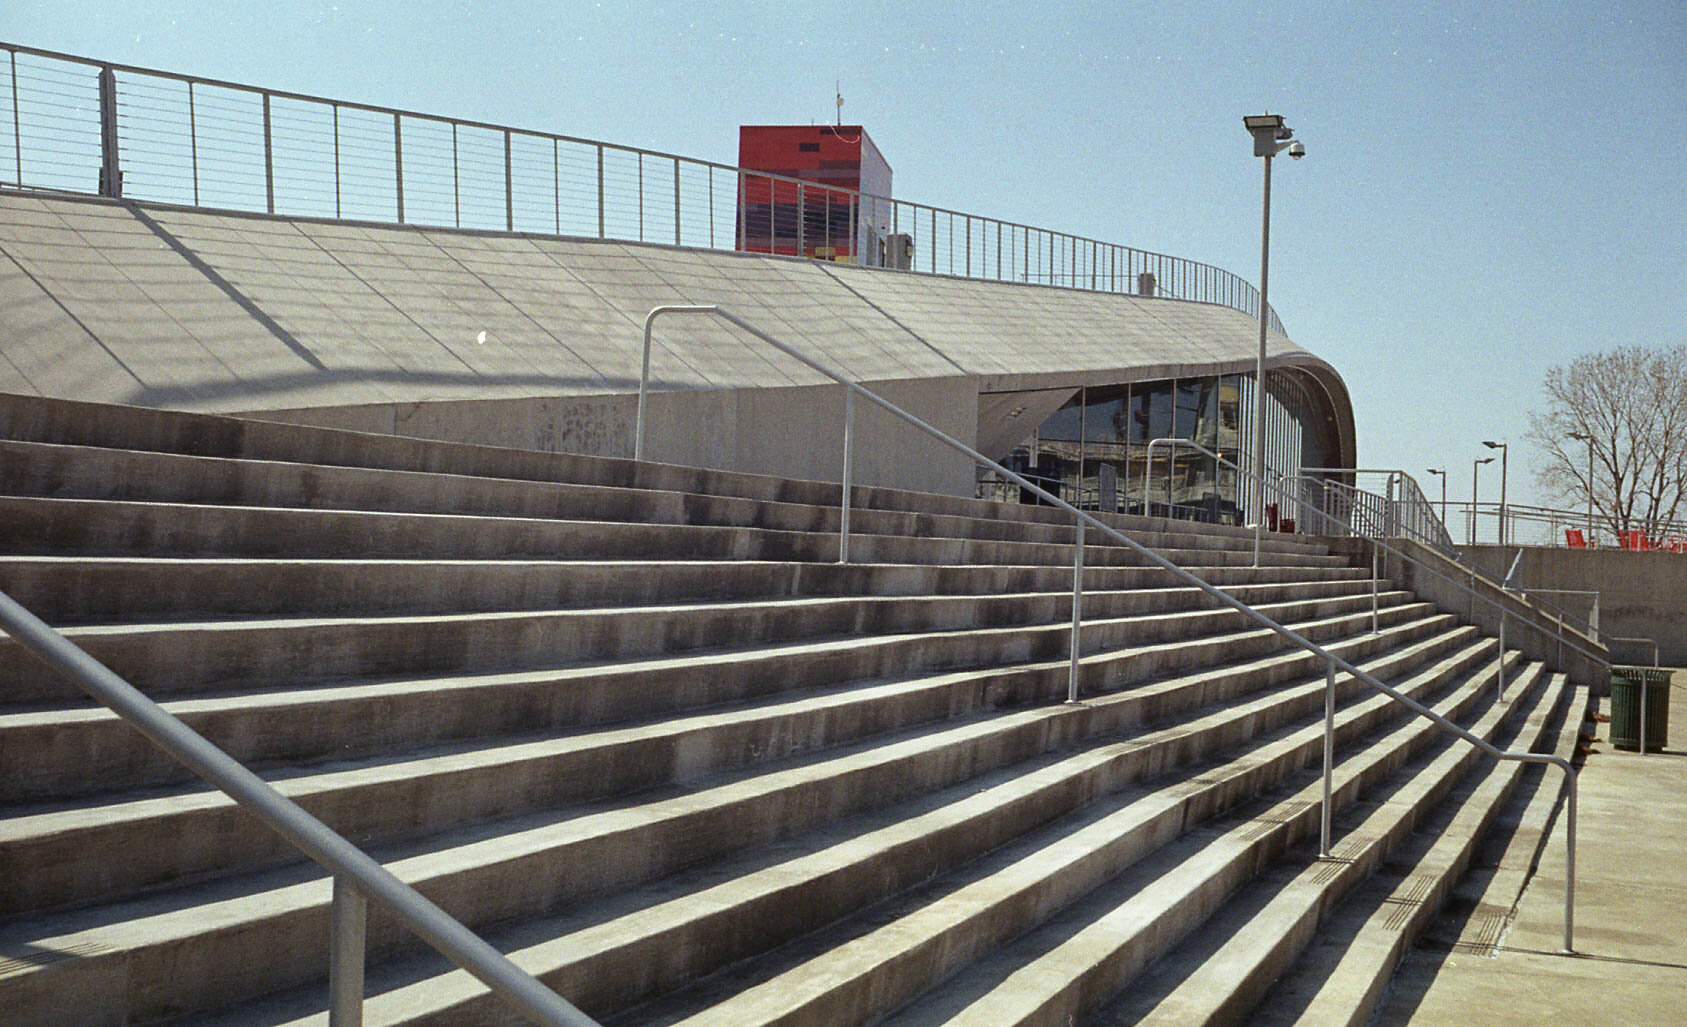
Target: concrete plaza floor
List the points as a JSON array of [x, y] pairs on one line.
[[1630, 965]]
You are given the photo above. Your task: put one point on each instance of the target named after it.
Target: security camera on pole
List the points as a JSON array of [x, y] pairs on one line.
[[1271, 137]]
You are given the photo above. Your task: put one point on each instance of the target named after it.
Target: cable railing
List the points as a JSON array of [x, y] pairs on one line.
[[356, 877], [1084, 522], [75, 124], [1530, 525]]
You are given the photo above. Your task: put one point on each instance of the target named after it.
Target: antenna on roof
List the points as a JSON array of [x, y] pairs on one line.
[[838, 88]]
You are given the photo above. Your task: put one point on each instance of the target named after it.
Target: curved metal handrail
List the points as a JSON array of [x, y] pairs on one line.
[[1376, 541], [356, 874], [1084, 520]]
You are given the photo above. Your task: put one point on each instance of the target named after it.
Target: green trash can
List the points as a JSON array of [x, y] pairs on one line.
[[1625, 707]]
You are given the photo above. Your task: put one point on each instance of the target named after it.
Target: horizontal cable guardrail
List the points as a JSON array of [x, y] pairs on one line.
[[1528, 525], [75, 124], [1083, 520]]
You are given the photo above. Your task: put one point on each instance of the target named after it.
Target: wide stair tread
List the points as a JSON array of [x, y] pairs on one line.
[[1074, 964], [1226, 973], [762, 802], [56, 849], [926, 936], [56, 471]]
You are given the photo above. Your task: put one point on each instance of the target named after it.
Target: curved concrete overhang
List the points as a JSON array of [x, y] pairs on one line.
[[194, 309]]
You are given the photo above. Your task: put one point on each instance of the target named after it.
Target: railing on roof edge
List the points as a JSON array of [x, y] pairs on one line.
[[1082, 519], [76, 124]]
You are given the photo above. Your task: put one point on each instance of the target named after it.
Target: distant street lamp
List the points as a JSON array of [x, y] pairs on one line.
[[1587, 438], [1475, 468], [1443, 475], [1505, 458], [1271, 137]]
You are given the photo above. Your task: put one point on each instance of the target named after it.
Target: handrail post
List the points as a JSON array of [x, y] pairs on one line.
[[1570, 859], [1077, 611], [269, 161], [1329, 758], [1643, 683], [111, 174], [644, 369], [1375, 585], [349, 922], [398, 166], [848, 477], [509, 185], [1499, 669]]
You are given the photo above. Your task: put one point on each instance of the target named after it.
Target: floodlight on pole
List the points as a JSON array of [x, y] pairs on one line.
[[1505, 458], [1271, 137], [1443, 475], [1587, 437], [1475, 468]]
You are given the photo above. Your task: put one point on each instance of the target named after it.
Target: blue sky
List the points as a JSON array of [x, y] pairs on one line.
[[1491, 188]]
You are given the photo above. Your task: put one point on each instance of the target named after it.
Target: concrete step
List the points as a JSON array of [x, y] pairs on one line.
[[187, 658], [91, 590], [257, 938], [88, 527], [60, 422], [72, 472], [55, 750], [57, 854], [861, 969], [1345, 971], [1098, 946], [1223, 973]]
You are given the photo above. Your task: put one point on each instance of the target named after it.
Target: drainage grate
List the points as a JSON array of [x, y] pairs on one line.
[[1404, 902], [1266, 822], [1342, 854], [1481, 935]]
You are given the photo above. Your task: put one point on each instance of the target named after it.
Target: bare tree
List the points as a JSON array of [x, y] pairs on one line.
[[1630, 407]]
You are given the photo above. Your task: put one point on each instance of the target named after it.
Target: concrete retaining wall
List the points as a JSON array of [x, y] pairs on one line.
[[1432, 577], [792, 432], [1640, 594]]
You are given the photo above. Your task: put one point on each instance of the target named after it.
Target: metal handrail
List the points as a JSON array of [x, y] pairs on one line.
[[1083, 520], [1442, 543], [1174, 441], [1074, 260], [1649, 641], [356, 875], [1590, 622], [1377, 543], [1475, 596]]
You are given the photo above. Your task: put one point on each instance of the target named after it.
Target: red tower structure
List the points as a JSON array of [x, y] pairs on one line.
[[832, 209]]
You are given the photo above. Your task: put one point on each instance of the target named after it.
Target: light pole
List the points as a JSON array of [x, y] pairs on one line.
[[1443, 475], [1505, 458], [1587, 438], [1475, 469], [1271, 137]]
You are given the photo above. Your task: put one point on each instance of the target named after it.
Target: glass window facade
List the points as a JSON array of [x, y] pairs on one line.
[[1094, 452]]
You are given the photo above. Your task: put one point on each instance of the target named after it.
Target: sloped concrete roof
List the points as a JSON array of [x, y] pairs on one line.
[[193, 309]]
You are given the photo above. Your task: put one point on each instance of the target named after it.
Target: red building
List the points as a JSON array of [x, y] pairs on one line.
[[813, 216]]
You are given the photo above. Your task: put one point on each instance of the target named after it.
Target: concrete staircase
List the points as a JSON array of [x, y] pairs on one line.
[[632, 724]]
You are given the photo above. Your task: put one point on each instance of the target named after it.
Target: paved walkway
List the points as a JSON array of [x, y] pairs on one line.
[[1631, 911]]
